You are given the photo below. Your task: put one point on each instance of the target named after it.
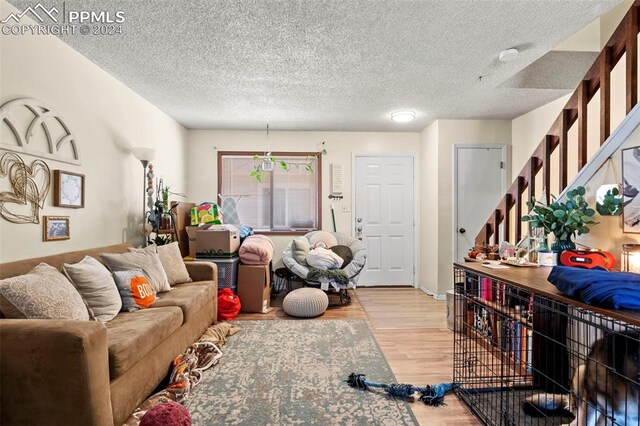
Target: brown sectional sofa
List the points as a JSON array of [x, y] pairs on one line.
[[65, 372]]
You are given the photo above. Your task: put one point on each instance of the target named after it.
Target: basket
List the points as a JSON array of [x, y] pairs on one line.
[[227, 271]]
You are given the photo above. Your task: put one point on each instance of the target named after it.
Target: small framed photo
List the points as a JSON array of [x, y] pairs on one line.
[[631, 190], [56, 228], [68, 189]]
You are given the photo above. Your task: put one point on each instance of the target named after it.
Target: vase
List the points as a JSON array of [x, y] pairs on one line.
[[561, 245]]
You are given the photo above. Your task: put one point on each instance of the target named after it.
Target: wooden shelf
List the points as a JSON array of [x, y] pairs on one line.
[[489, 345], [164, 231], [509, 312]]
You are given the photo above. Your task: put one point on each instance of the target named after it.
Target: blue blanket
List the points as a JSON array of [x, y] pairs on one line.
[[617, 290]]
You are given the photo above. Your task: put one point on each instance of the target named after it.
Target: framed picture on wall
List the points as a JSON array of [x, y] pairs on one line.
[[56, 228], [68, 189], [631, 190]]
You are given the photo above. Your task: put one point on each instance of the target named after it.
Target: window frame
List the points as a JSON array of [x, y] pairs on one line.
[[318, 172]]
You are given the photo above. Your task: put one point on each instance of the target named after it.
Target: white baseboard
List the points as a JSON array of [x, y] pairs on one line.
[[439, 297]]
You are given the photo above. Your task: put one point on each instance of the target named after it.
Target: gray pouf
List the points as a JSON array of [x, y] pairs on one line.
[[305, 302]]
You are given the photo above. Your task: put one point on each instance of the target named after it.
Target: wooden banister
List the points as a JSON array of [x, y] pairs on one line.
[[604, 78], [598, 77]]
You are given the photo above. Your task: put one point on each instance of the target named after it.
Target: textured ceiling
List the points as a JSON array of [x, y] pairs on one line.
[[330, 65]]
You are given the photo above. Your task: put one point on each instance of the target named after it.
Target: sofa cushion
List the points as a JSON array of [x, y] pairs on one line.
[[132, 335], [189, 297], [43, 293]]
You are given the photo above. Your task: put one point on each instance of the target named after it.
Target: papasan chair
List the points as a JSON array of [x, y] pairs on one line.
[[348, 274]]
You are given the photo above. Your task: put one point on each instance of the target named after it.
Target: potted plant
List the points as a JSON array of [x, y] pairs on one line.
[[562, 219]]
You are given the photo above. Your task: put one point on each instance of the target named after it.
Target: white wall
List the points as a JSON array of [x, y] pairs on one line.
[[202, 147], [106, 117]]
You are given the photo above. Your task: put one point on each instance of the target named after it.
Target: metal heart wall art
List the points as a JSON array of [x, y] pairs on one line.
[[29, 186]]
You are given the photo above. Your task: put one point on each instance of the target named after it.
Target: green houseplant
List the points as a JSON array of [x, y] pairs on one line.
[[611, 204], [562, 219]]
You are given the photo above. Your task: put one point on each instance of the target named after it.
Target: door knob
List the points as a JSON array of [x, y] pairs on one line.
[[462, 230]]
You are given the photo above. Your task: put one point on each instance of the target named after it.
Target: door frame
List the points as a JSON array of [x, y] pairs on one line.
[[506, 174], [416, 230]]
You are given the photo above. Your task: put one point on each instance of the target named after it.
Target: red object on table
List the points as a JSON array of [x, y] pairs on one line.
[[588, 259]]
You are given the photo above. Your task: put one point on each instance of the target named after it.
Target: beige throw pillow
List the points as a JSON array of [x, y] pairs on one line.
[[171, 260], [173, 265], [146, 260], [300, 250], [95, 284], [43, 293]]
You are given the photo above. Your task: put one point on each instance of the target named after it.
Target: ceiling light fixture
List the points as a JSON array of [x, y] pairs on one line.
[[403, 116], [509, 55]]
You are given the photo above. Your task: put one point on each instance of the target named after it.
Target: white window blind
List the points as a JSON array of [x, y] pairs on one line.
[[283, 201]]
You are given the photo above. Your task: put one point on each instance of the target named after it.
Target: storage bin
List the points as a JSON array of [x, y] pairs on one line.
[[227, 271]]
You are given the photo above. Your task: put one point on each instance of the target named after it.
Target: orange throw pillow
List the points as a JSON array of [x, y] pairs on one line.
[[135, 290]]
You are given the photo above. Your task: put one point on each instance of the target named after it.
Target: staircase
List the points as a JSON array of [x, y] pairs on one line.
[[507, 222]]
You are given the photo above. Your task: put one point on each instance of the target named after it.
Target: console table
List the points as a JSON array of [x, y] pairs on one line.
[[516, 334]]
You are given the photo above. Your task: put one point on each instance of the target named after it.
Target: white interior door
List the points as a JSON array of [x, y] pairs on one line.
[[480, 179], [384, 218]]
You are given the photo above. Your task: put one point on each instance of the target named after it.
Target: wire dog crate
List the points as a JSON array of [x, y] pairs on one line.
[[523, 358]]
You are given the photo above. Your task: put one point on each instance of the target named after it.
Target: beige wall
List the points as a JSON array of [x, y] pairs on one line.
[[608, 235], [203, 145], [105, 117], [429, 207], [445, 134]]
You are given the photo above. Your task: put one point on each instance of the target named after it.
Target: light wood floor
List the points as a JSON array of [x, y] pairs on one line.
[[411, 329]]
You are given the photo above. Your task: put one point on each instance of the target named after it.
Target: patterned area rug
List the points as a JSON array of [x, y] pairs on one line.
[[279, 372]]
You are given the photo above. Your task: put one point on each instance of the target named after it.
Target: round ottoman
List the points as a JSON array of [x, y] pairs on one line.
[[305, 302]]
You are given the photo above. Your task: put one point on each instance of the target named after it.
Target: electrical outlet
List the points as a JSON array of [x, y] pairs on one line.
[[345, 209]]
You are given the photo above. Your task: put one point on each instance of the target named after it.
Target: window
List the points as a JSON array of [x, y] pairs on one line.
[[285, 201]]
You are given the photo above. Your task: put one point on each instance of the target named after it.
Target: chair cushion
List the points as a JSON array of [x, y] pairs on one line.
[[132, 335], [189, 297], [305, 302]]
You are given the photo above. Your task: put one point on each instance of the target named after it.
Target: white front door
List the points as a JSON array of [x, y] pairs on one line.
[[384, 218], [480, 178]]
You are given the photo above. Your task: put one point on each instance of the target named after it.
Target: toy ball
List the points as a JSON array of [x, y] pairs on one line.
[[166, 414]]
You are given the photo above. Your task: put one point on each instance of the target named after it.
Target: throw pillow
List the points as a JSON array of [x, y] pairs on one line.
[[322, 258], [146, 260], [345, 253], [135, 290], [173, 265], [300, 249], [96, 286], [171, 260], [43, 293], [326, 237]]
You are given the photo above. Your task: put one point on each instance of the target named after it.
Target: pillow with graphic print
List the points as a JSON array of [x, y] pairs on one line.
[[135, 290]]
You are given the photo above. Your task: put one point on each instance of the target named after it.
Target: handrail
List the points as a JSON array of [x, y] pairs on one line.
[[623, 41]]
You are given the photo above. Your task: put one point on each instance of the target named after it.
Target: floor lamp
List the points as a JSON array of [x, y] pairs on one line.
[[145, 155]]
